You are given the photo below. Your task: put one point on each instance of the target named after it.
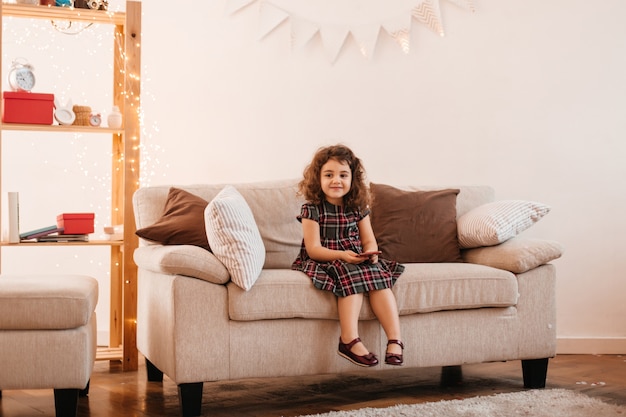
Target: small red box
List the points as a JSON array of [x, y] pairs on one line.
[[29, 108], [76, 223]]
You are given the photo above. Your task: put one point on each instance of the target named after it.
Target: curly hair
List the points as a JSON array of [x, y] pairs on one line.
[[358, 198]]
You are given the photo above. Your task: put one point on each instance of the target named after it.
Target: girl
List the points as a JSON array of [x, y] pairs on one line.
[[339, 251]]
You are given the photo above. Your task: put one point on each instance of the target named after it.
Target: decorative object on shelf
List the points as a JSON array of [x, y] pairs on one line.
[[76, 223], [26, 107], [336, 21], [14, 216], [91, 4], [21, 75], [64, 3], [47, 2], [95, 119], [82, 115], [64, 114], [114, 119]]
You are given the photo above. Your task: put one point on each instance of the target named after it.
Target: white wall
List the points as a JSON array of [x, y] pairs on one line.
[[527, 96]]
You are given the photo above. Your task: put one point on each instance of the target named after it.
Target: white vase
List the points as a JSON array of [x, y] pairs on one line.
[[114, 119]]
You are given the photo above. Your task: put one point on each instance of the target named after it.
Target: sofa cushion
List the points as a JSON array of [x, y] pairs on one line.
[[188, 260], [415, 226], [182, 221], [517, 255], [37, 302], [422, 288], [276, 205], [234, 237], [498, 221]]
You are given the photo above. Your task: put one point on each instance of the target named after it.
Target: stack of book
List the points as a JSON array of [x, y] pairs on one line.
[[52, 234]]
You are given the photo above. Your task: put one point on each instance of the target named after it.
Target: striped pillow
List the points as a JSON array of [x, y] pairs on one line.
[[496, 222], [234, 236]]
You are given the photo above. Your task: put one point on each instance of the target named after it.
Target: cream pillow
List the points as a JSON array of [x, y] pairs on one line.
[[234, 236], [517, 255], [496, 222]]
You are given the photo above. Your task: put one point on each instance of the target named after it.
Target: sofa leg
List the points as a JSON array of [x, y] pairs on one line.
[[535, 372], [154, 374], [190, 397], [66, 402], [451, 376]]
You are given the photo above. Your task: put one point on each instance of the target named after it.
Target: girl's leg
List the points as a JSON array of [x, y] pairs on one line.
[[349, 308], [385, 307]]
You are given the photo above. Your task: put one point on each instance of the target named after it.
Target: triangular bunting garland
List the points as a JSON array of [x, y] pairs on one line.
[[270, 18], [399, 30], [362, 19], [466, 4], [235, 5], [427, 12], [366, 37], [302, 31], [333, 38]]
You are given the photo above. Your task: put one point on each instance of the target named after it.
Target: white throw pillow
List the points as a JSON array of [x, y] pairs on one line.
[[234, 237], [496, 222]]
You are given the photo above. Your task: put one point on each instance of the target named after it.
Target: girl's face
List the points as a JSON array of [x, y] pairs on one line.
[[336, 179]]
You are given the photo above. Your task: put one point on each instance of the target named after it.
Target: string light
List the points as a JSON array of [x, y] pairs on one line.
[[43, 38]]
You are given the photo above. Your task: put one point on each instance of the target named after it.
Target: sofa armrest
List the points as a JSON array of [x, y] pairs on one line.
[[517, 255], [187, 260]]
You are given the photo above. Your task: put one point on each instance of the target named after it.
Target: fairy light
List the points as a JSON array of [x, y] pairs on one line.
[[67, 83]]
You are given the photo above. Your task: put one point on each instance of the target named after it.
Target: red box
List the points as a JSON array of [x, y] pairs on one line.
[[29, 108], [76, 223]]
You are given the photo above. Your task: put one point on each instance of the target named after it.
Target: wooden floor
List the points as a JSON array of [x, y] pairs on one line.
[[114, 393]]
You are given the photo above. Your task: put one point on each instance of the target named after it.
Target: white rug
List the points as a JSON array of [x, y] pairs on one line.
[[532, 403]]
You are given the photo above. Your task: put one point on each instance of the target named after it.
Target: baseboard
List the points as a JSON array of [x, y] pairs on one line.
[[589, 345]]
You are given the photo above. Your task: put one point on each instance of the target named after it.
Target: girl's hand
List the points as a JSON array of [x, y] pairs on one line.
[[352, 257]]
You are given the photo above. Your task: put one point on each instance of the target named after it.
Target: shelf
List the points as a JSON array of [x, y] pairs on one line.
[[60, 129], [34, 11], [124, 159], [104, 353], [90, 243]]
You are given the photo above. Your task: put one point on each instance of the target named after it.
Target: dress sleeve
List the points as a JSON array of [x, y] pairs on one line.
[[363, 214], [309, 211]]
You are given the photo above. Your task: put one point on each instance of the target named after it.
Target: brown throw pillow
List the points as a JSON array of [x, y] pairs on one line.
[[415, 226], [182, 222]]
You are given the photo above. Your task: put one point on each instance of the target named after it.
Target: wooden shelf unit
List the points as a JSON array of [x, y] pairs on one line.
[[124, 164]]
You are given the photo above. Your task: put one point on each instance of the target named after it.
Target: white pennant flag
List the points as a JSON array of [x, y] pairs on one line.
[[467, 4], [333, 38], [428, 13], [234, 5], [400, 30], [366, 37], [270, 17], [302, 31]]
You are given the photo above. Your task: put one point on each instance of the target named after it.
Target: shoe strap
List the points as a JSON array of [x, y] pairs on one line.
[[395, 342], [352, 343]]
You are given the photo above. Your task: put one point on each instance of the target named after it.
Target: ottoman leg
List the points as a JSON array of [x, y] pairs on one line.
[[85, 391], [66, 402]]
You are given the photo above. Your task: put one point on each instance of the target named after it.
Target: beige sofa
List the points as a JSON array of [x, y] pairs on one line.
[[194, 324]]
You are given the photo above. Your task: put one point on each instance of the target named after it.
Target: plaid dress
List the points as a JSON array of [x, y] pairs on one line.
[[339, 231]]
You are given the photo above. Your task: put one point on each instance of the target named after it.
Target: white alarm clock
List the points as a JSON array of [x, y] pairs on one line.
[[21, 75]]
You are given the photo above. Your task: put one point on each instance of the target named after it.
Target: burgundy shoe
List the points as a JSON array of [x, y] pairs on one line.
[[394, 358], [366, 360]]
